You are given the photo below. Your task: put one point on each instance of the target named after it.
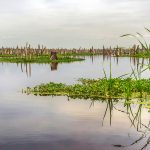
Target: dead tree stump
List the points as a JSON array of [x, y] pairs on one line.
[[53, 56]]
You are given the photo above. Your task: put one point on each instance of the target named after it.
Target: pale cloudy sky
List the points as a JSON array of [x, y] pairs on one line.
[[72, 23]]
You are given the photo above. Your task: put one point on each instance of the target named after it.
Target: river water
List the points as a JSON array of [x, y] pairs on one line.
[[29, 122]]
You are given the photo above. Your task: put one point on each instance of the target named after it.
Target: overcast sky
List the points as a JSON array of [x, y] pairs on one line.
[[72, 23]]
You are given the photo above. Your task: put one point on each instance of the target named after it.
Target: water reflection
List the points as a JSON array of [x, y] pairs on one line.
[[30, 120], [134, 114], [138, 63], [54, 66], [26, 68], [133, 110]]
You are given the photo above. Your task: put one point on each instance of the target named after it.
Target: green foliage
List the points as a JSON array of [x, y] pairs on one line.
[[36, 59], [97, 89], [143, 55]]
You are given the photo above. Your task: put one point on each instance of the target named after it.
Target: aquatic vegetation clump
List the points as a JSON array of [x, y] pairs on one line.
[[96, 89], [37, 59]]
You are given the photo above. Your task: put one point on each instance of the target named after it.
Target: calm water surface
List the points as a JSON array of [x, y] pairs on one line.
[[30, 122]]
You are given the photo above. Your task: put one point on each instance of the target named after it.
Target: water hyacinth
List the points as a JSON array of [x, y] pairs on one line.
[[96, 88]]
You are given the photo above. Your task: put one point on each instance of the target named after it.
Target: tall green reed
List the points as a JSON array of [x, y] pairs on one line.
[[140, 38]]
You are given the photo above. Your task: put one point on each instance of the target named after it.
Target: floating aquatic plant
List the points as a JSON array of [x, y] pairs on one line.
[[96, 88]]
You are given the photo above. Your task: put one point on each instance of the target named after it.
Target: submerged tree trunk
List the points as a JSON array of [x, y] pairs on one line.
[[53, 56]]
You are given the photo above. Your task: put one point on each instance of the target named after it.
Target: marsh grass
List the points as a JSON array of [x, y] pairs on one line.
[[37, 59], [144, 45]]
